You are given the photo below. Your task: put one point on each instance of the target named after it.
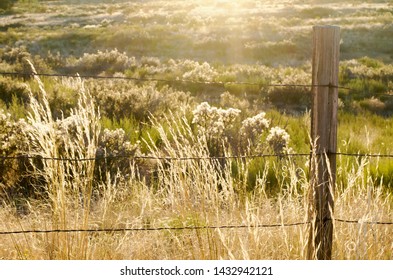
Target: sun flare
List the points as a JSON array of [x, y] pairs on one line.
[[174, 129]]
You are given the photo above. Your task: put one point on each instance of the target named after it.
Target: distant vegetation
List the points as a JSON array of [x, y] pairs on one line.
[[5, 5], [211, 65]]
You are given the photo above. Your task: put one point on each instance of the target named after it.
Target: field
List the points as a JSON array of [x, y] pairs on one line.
[[149, 120]]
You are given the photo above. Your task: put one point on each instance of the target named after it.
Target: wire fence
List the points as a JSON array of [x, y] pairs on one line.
[[148, 157], [24, 74], [144, 229], [261, 84], [183, 81], [153, 228]]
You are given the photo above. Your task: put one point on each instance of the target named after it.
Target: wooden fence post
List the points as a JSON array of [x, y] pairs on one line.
[[325, 67]]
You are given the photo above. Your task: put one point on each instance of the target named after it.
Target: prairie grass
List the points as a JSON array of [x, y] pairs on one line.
[[66, 187], [233, 41], [182, 193]]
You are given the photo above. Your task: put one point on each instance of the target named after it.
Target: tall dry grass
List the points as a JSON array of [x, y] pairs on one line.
[[65, 186], [179, 193]]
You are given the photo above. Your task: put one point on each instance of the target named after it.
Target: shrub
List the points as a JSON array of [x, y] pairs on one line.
[[6, 5], [127, 99], [212, 121], [150, 61], [373, 104], [317, 12], [16, 60], [371, 62], [14, 142], [201, 72], [221, 127], [215, 124], [117, 151], [10, 88], [15, 55], [109, 62], [278, 139], [229, 100], [299, 96], [253, 127], [364, 88]]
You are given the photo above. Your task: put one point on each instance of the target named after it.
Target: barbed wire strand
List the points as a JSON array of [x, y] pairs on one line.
[[364, 155], [186, 227], [147, 157], [152, 157], [261, 84], [362, 222], [153, 229]]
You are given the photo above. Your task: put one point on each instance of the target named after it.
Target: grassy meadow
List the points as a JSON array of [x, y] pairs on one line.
[[189, 97]]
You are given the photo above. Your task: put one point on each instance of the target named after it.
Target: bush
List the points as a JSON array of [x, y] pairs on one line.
[[371, 62], [298, 96], [254, 134], [118, 151], [15, 55], [123, 99], [13, 143], [6, 5], [9, 88], [317, 12], [109, 62], [373, 104], [15, 59]]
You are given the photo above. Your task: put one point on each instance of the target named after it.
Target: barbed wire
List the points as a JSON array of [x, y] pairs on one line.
[[185, 81], [164, 158], [261, 84], [92, 230], [179, 158], [362, 222], [364, 155], [152, 228], [216, 83], [152, 157]]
